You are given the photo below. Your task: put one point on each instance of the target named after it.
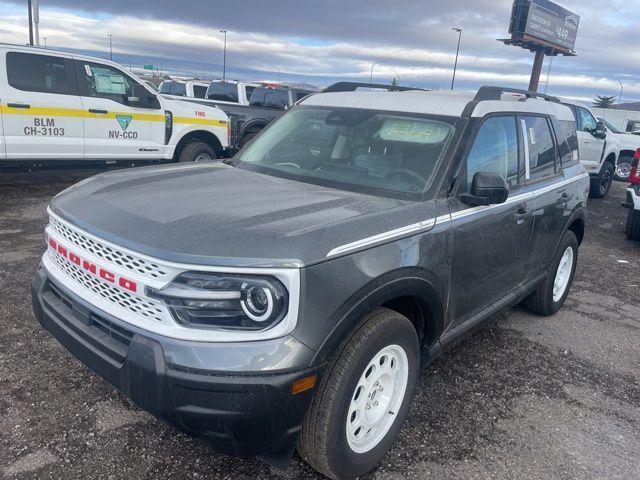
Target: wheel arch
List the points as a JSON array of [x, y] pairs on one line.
[[407, 291], [203, 136]]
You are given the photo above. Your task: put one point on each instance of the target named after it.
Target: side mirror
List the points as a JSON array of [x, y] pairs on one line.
[[600, 131], [487, 188], [141, 97]]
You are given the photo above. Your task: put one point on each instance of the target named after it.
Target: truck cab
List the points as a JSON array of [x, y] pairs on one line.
[[63, 108], [598, 151], [231, 92], [187, 88]]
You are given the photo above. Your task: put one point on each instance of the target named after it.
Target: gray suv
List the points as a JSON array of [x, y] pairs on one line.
[[287, 298]]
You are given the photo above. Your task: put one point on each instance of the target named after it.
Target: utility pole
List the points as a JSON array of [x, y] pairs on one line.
[[30, 8], [36, 21], [455, 65], [224, 56], [110, 47]]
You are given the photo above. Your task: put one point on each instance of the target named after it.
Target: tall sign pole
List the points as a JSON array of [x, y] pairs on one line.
[[30, 8], [536, 70]]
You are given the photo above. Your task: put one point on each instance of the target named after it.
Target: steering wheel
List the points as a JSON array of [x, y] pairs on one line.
[[403, 172], [300, 160]]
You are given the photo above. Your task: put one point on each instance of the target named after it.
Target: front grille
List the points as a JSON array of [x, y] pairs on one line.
[[113, 331], [147, 308], [123, 259]]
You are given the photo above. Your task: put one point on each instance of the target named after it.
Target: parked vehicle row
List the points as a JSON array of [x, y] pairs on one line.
[[287, 298], [63, 108]]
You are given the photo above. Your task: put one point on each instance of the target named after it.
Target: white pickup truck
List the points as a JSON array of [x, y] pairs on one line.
[[184, 88], [61, 108], [629, 144]]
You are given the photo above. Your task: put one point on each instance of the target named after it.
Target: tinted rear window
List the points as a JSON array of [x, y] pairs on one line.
[[174, 88], [199, 91], [223, 92], [41, 73], [270, 98]]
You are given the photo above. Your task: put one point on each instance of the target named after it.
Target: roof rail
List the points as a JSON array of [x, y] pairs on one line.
[[353, 86], [495, 93]]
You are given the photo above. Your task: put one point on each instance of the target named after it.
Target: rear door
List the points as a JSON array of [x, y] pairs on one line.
[[114, 129], [591, 148], [490, 243], [41, 109]]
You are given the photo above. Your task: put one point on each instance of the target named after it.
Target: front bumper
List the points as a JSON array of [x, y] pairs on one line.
[[240, 413]]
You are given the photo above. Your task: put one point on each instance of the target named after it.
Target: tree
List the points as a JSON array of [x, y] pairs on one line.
[[604, 101], [394, 83]]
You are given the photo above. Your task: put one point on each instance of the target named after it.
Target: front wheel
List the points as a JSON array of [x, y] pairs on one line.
[[633, 225], [553, 291], [196, 152], [623, 168], [601, 184], [363, 399]]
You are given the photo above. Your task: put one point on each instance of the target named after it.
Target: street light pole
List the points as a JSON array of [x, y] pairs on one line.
[[455, 65], [30, 9], [224, 56], [110, 47], [45, 41], [371, 73], [621, 90]]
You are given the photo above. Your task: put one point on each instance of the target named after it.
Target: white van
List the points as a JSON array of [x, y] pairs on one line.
[[59, 107]]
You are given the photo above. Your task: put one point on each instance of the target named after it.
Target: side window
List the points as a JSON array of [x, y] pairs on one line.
[[567, 142], [587, 122], [301, 95], [199, 91], [103, 81], [495, 149], [542, 150], [41, 73], [249, 90]]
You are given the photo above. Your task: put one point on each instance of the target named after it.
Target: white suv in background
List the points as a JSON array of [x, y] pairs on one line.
[[59, 108], [598, 151]]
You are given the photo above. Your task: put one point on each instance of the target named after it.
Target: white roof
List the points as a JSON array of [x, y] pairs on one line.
[[437, 103]]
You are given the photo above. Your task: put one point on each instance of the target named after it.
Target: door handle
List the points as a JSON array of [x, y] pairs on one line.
[[522, 209], [93, 110], [565, 195], [18, 105]]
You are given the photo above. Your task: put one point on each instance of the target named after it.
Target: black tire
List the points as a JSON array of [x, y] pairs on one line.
[[633, 225], [196, 151], [623, 169], [541, 301], [247, 137], [601, 184], [323, 442]]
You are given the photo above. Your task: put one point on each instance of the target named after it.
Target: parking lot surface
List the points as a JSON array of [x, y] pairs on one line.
[[527, 397]]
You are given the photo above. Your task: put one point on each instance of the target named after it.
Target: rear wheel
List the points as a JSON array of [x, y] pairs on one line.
[[601, 184], [623, 169], [196, 152], [633, 225], [363, 398], [553, 291]]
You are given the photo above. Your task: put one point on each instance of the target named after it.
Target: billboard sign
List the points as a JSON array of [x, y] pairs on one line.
[[546, 21]]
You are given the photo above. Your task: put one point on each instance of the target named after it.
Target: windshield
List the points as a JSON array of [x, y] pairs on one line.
[[382, 153], [173, 88], [611, 126], [223, 92]]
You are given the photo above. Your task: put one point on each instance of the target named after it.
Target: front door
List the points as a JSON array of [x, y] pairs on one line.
[[41, 109], [114, 127], [590, 148], [490, 243]]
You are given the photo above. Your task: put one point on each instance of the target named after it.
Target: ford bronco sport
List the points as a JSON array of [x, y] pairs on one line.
[[288, 297]]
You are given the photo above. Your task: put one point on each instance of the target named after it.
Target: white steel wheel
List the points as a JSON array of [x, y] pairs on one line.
[[563, 274], [377, 398]]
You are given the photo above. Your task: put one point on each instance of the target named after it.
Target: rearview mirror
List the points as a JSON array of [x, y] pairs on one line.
[[487, 188], [600, 131]]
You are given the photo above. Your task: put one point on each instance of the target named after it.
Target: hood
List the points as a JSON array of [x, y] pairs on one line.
[[212, 214]]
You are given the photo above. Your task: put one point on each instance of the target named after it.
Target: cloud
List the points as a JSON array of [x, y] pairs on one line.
[[328, 40]]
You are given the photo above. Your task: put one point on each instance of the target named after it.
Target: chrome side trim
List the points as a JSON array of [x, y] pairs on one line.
[[416, 227]]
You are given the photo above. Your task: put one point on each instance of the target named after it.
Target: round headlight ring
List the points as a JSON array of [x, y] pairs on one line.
[[253, 311]]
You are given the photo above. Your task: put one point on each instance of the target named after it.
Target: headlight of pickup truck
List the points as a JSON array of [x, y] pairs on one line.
[[225, 301]]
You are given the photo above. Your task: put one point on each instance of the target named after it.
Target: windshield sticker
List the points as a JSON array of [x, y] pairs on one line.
[[413, 131], [107, 82]]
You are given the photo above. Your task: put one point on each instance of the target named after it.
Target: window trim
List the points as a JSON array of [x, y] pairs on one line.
[[68, 67]]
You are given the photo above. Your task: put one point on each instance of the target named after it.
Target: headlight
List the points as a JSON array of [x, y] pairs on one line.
[[225, 301]]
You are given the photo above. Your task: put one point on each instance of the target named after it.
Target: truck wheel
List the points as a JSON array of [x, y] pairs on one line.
[[553, 291], [601, 184], [247, 137], [623, 169], [633, 225], [196, 152], [363, 398]]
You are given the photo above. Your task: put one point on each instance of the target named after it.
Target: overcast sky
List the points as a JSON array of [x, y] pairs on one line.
[[322, 40]]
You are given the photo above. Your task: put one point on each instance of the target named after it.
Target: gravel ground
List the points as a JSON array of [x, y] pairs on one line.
[[526, 397]]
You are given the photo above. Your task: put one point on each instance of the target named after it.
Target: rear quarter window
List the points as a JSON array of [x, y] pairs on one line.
[[567, 143], [41, 73]]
